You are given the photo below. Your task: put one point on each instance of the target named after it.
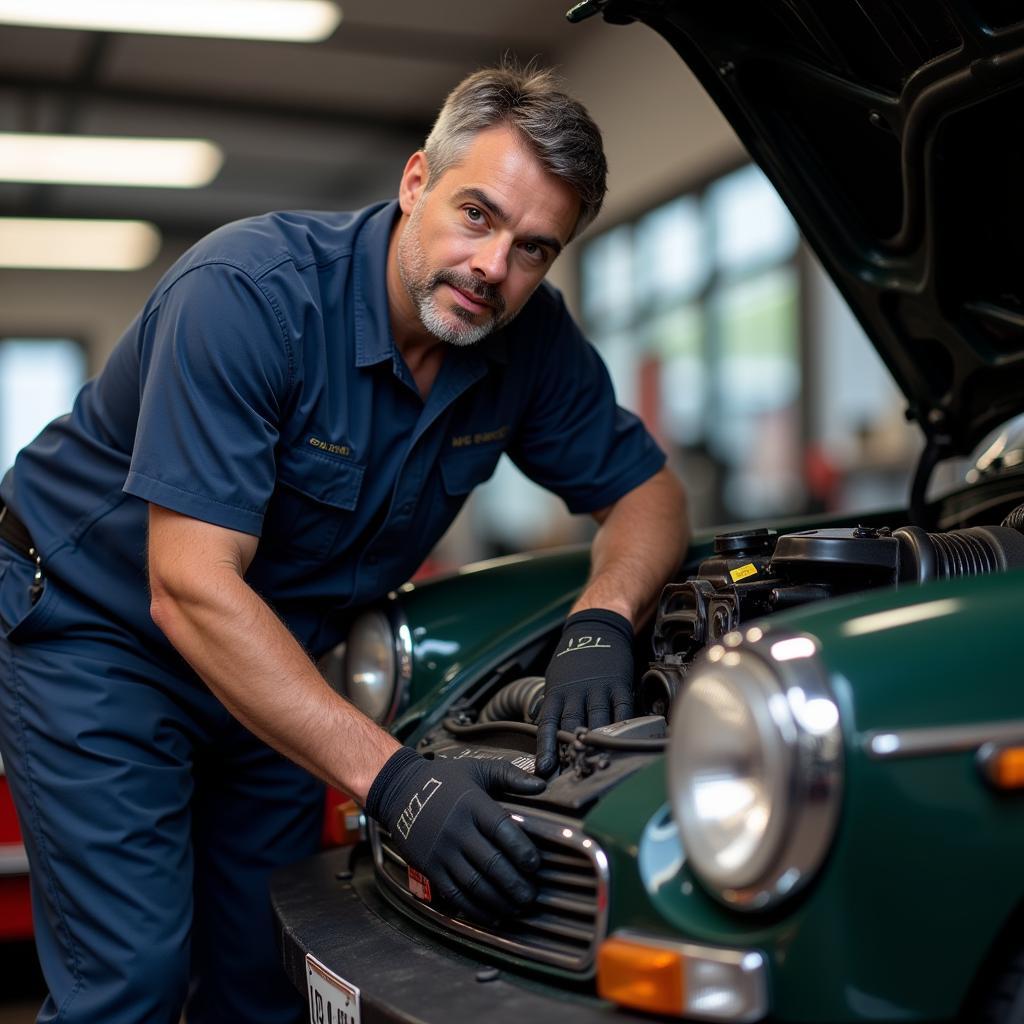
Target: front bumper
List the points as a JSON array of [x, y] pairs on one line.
[[329, 906]]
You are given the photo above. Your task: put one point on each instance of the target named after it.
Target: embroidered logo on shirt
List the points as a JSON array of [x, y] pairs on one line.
[[581, 643], [408, 817], [482, 437], [326, 446]]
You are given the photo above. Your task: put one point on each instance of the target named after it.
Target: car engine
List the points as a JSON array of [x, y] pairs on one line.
[[756, 572], [752, 574]]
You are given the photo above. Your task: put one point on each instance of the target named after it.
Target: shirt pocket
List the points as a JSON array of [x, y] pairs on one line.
[[316, 495], [464, 468]]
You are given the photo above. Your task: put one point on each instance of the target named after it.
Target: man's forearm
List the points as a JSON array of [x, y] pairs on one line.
[[257, 669], [641, 542]]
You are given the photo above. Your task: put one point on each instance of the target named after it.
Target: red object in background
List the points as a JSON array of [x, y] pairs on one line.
[[332, 832], [431, 567], [15, 908], [15, 903], [822, 477], [648, 397], [342, 820]]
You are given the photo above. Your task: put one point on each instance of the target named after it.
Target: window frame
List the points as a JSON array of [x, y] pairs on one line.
[[699, 188]]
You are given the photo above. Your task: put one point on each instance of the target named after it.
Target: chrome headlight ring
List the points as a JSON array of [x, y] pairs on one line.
[[372, 668], [756, 767]]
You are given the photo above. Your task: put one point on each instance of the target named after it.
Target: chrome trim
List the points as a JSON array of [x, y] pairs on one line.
[[805, 820], [13, 859], [750, 965], [333, 665], [888, 744], [403, 658], [541, 823]]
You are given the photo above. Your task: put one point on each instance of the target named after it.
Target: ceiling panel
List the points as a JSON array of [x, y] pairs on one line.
[[315, 77], [327, 125], [38, 51]]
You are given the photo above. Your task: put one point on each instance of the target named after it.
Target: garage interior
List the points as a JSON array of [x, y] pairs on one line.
[[717, 323]]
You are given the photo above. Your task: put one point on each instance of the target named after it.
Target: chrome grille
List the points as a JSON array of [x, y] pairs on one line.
[[568, 919]]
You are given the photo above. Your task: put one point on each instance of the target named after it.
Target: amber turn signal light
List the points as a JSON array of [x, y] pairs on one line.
[[641, 976], [682, 979], [1002, 765]]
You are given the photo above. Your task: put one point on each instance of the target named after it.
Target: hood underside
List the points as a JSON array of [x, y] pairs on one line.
[[894, 131]]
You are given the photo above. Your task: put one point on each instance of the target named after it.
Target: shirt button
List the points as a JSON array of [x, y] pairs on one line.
[[406, 508]]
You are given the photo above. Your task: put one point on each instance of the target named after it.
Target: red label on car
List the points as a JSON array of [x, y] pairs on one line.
[[419, 885]]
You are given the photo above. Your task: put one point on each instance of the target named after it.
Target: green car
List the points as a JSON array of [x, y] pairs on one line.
[[817, 814]]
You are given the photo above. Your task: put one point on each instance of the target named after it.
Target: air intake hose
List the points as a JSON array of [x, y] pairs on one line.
[[971, 552], [517, 701], [1015, 520]]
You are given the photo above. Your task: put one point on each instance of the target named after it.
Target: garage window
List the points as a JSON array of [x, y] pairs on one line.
[[710, 314], [39, 378]]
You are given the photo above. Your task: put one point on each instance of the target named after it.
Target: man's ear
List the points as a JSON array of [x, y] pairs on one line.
[[414, 181]]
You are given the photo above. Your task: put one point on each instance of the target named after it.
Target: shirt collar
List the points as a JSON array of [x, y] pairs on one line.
[[374, 343]]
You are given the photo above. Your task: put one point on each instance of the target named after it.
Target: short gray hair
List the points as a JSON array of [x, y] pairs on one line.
[[556, 128]]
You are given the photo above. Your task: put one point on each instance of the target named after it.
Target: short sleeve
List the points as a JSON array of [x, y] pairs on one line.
[[574, 439], [214, 370]]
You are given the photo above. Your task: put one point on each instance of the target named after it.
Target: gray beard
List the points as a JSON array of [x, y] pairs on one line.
[[422, 285], [434, 321]]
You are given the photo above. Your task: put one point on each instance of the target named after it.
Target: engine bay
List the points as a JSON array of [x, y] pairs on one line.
[[751, 574]]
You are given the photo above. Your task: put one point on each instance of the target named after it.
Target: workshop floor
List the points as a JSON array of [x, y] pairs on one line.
[[21, 984], [19, 1012]]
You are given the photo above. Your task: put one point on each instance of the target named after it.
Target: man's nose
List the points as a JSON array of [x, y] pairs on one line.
[[490, 261]]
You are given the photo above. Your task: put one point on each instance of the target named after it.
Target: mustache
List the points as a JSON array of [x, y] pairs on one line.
[[471, 286]]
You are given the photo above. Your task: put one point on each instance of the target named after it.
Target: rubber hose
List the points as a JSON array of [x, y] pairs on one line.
[[1015, 520], [516, 701]]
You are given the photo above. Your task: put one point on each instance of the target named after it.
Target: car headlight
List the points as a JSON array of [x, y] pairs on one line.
[[373, 665], [755, 767]]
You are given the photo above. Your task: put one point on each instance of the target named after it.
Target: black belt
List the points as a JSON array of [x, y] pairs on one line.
[[14, 531]]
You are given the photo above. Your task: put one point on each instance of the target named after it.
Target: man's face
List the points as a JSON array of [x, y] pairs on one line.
[[481, 238]]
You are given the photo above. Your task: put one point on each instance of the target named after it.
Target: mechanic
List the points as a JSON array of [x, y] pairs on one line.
[[282, 434]]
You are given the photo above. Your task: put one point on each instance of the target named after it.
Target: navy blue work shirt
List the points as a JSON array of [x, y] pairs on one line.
[[260, 389]]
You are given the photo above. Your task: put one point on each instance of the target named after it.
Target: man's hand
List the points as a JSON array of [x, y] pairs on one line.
[[640, 543], [445, 825], [589, 680]]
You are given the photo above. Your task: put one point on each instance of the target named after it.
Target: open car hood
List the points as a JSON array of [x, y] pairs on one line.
[[894, 131]]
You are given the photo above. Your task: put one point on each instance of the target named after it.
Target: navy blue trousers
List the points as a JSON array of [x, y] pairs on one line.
[[152, 822]]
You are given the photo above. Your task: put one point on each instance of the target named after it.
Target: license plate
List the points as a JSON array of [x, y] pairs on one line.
[[332, 1000]]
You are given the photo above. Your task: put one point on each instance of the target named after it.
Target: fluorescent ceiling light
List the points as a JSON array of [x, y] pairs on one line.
[[298, 21], [52, 244], [108, 160]]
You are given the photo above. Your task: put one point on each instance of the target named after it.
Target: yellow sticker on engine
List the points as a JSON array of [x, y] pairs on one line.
[[743, 572]]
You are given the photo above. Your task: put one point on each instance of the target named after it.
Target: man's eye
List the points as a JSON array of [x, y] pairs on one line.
[[533, 250], [474, 214]]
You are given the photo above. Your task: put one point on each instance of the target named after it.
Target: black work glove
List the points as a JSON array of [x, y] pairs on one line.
[[440, 817], [589, 680]]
